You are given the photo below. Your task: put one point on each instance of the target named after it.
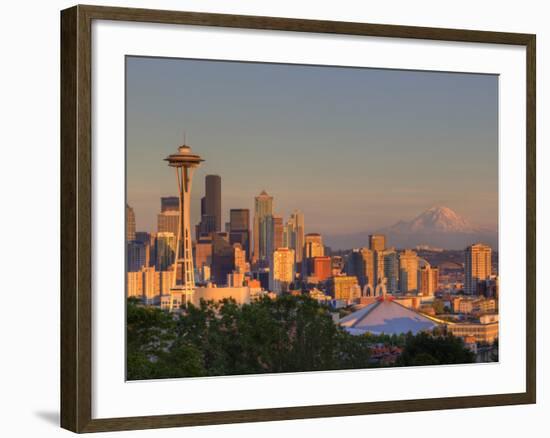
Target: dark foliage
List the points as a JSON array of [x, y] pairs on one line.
[[288, 334]]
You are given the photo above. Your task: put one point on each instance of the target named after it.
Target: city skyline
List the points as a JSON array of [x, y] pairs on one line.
[[390, 192]]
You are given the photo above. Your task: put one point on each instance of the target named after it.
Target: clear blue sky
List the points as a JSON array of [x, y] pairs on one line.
[[353, 148]]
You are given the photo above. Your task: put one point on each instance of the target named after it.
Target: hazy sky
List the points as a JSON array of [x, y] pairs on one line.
[[353, 148]]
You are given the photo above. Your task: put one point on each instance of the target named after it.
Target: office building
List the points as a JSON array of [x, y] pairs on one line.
[[168, 221], [477, 267], [428, 280], [408, 272], [203, 256], [136, 255], [295, 235], [342, 287], [213, 199], [130, 224], [239, 229], [169, 203], [391, 269], [321, 268], [263, 227], [223, 258], [377, 242], [165, 250], [282, 270], [314, 245], [277, 232]]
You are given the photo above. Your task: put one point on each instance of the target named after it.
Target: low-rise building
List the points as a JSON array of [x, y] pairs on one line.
[[486, 330]]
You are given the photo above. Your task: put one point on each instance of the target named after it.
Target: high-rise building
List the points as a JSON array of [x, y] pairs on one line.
[[321, 267], [391, 269], [137, 255], [367, 275], [377, 242], [282, 270], [211, 208], [184, 162], [239, 257], [203, 254], [360, 262], [213, 201], [169, 203], [293, 235], [477, 267], [223, 258], [277, 232], [314, 245], [263, 226], [168, 222], [148, 240], [165, 251], [239, 220], [428, 280], [337, 265], [130, 224], [408, 272]]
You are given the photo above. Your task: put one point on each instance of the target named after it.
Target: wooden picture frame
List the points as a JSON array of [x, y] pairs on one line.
[[76, 239]]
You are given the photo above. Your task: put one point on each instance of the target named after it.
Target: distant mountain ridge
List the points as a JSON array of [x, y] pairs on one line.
[[435, 219], [437, 226]]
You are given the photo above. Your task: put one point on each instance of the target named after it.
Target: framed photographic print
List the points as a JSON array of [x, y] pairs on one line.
[[271, 218]]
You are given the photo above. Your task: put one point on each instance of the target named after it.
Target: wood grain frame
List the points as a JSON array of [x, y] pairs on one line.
[[76, 186]]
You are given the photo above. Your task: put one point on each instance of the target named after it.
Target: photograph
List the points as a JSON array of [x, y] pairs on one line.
[[291, 218]]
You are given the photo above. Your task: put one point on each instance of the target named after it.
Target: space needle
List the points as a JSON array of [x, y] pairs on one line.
[[183, 281]]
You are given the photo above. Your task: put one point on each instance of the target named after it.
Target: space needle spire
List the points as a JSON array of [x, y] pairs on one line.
[[183, 281]]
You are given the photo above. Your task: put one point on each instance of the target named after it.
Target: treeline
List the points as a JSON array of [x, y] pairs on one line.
[[288, 334]]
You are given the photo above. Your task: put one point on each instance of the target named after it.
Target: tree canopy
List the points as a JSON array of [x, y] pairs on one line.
[[287, 334]]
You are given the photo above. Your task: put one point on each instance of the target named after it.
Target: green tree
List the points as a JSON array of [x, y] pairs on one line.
[[153, 352], [427, 349]]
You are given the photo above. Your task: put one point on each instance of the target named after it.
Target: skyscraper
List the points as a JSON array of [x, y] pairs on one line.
[[295, 231], [282, 270], [314, 245], [203, 255], [321, 267], [223, 258], [428, 280], [408, 272], [165, 251], [391, 269], [136, 257], [130, 224], [239, 225], [263, 226], [168, 221], [185, 163], [213, 199], [477, 267], [360, 262], [377, 242], [277, 232], [169, 203]]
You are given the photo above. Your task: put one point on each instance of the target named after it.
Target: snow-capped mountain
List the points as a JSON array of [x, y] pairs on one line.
[[439, 226], [435, 219]]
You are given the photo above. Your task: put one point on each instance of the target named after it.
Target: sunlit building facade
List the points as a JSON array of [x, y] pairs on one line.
[[282, 270], [408, 272], [477, 267]]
